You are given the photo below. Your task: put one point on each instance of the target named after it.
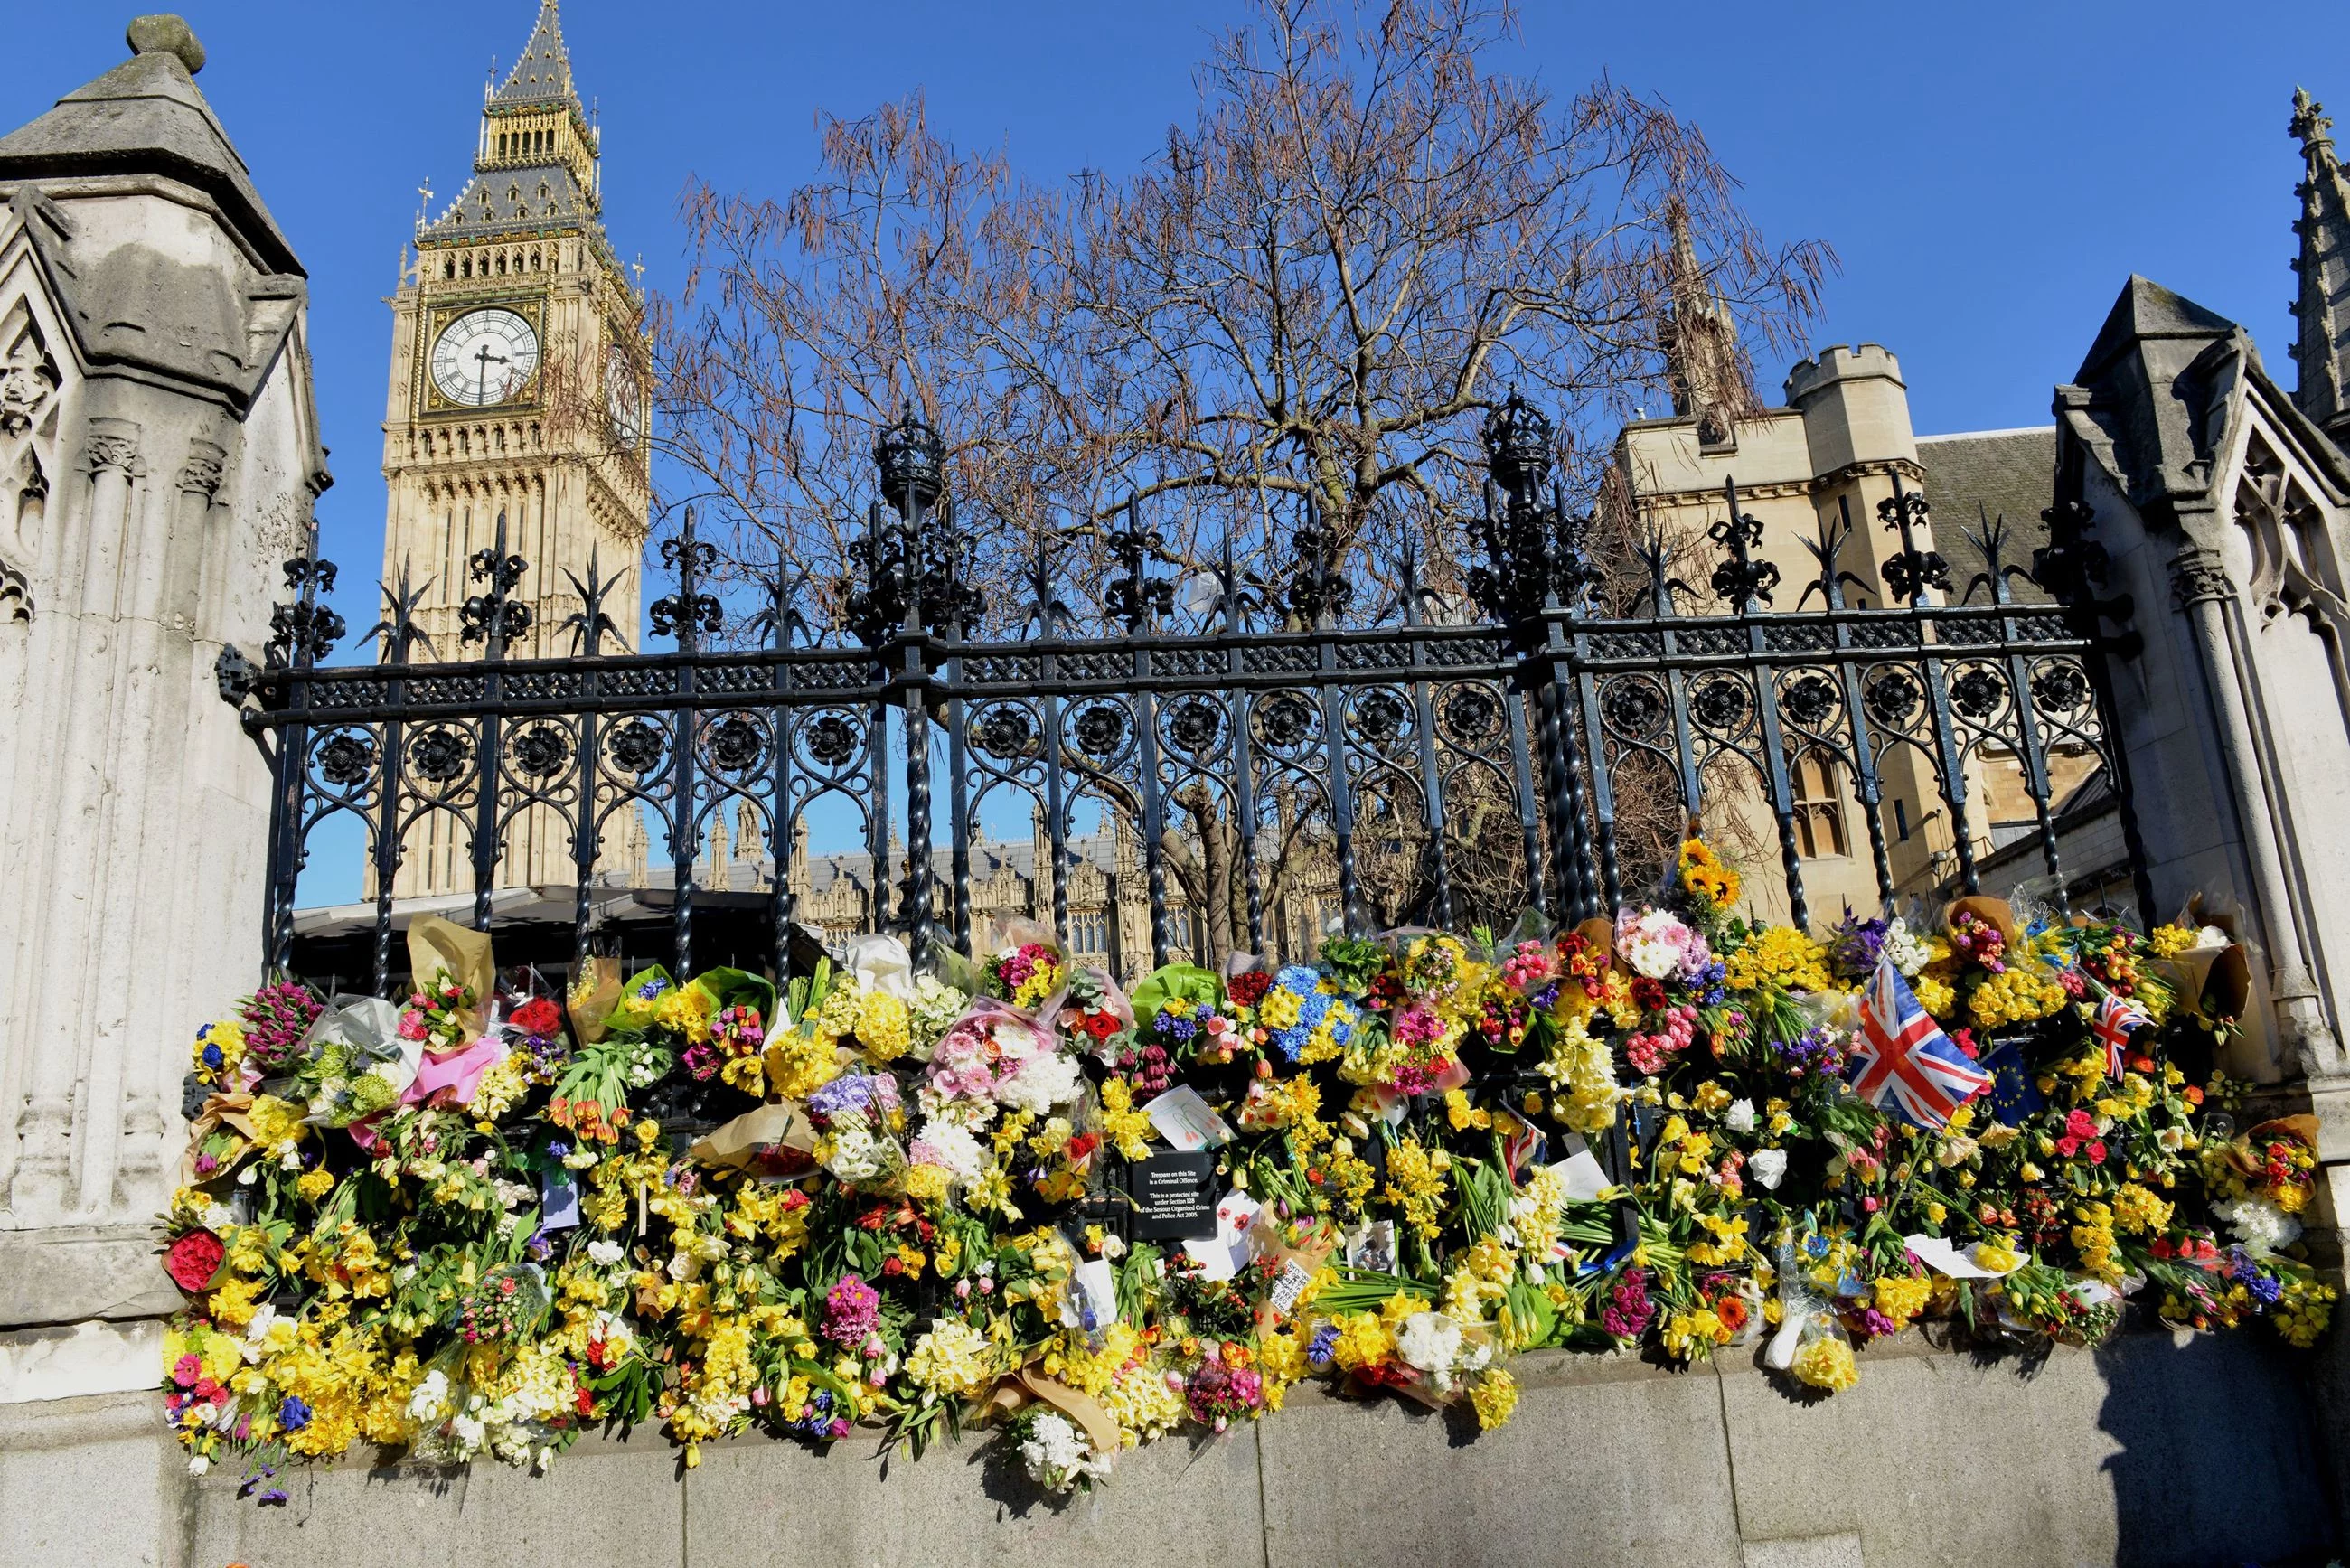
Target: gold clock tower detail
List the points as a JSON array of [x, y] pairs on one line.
[[518, 390]]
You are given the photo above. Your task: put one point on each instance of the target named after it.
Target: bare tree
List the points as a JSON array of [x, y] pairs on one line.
[[1312, 295], [1304, 306]]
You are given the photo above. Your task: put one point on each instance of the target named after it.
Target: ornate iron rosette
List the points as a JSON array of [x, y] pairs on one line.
[[1378, 717], [1194, 726], [540, 751], [1722, 704], [735, 744], [1101, 730], [1286, 720], [2060, 687], [347, 758], [637, 746], [441, 753], [1633, 707], [829, 739], [1470, 716], [1892, 696], [1811, 701], [1004, 731], [1977, 692]]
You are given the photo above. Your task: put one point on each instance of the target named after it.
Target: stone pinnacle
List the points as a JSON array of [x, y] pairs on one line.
[[164, 34]]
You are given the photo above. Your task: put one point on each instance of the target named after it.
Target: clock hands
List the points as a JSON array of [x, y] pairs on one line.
[[484, 358]]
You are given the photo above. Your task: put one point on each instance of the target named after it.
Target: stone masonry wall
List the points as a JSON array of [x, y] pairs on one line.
[[2148, 1450]]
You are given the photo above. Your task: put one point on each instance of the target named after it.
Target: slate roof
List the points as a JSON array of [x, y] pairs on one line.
[[543, 74], [540, 196], [146, 116], [856, 866], [1982, 474]]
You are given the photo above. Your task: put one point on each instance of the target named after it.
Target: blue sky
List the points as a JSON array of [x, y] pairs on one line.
[[1990, 173]]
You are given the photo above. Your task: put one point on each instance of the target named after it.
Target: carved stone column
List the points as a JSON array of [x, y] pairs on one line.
[[2203, 591], [152, 366]]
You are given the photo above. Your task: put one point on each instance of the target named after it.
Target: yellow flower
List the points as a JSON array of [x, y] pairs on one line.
[[1997, 1253], [685, 1010], [278, 1124], [1778, 956], [950, 1360], [1416, 1185], [1363, 1341], [1495, 1397], [1826, 1363], [1902, 1297], [2139, 1211], [884, 1026], [316, 1184], [2019, 995], [1705, 875], [234, 1302], [748, 1074]]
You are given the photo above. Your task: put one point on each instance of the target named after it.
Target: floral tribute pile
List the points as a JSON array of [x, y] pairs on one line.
[[905, 1198]]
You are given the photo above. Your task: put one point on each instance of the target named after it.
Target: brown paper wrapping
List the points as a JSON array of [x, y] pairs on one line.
[[740, 1141], [1991, 911], [231, 1111], [1028, 1385], [595, 991], [435, 945]]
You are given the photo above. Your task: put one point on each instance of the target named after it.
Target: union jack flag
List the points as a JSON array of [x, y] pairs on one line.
[[2116, 1016], [1902, 1061]]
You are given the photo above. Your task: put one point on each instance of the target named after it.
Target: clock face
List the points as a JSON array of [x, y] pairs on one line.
[[486, 357], [622, 397]]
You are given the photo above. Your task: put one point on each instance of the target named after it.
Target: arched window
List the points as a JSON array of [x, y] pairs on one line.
[[1817, 786]]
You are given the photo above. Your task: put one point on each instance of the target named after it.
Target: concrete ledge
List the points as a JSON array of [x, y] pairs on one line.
[[2150, 1450]]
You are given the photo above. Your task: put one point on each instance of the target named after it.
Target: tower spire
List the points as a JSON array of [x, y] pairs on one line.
[[2323, 351], [543, 74], [1706, 372]]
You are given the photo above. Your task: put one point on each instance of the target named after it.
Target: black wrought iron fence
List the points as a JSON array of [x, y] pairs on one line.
[[1433, 760]]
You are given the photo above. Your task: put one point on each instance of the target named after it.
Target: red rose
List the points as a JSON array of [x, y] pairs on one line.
[[537, 1016], [1649, 995], [1101, 1026], [193, 1260], [1249, 989]]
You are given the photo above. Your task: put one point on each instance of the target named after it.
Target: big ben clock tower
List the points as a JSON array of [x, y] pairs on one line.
[[519, 390]]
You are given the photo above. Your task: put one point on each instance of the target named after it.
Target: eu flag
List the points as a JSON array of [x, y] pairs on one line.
[[2013, 1094]]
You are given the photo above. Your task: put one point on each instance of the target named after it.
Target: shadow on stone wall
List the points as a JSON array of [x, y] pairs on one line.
[[2217, 1444]]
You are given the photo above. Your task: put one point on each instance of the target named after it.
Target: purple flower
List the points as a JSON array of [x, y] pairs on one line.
[[1629, 1312], [874, 1094], [1855, 946]]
